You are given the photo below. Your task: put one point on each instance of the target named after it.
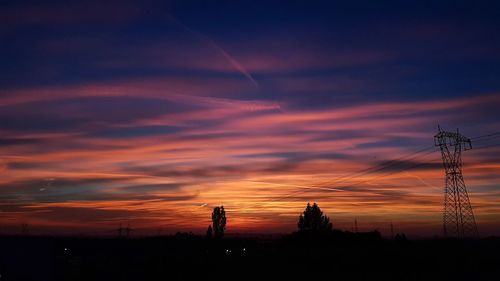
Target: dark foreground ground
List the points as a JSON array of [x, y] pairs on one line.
[[187, 257]]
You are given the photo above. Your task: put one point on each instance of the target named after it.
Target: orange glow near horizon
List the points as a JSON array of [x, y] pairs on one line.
[[262, 162], [151, 114]]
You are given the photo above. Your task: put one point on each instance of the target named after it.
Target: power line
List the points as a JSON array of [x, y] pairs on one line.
[[386, 165], [381, 166], [415, 165], [486, 146], [487, 135], [339, 188]]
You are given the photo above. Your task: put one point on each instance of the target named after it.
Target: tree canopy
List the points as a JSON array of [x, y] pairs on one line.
[[313, 220], [218, 221]]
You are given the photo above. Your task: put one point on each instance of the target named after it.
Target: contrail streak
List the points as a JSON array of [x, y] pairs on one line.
[[299, 186], [233, 62], [422, 181], [218, 48]]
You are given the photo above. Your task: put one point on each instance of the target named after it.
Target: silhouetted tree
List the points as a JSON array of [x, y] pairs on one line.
[[209, 232], [313, 220], [219, 221]]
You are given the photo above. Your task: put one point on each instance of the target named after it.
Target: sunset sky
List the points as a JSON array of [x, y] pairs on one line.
[[151, 114]]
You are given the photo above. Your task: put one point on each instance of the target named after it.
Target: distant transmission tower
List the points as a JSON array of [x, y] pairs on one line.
[[458, 218], [124, 232]]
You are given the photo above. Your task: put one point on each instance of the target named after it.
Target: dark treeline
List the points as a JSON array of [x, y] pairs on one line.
[[316, 250], [336, 256]]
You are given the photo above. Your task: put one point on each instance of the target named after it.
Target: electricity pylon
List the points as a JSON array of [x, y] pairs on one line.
[[458, 218], [124, 232]]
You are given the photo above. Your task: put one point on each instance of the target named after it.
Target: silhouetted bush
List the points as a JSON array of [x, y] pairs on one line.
[[185, 235], [400, 237], [209, 232]]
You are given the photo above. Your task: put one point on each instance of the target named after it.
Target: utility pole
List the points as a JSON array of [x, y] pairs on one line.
[[120, 230], [25, 230], [458, 218], [127, 230], [392, 231], [124, 231]]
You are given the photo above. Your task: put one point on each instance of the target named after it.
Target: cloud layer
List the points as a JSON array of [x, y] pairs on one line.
[[137, 118]]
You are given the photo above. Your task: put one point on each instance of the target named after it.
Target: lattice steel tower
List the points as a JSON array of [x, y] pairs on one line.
[[458, 218]]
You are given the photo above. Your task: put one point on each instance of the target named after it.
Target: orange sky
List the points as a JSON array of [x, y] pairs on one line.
[[262, 162], [151, 114]]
